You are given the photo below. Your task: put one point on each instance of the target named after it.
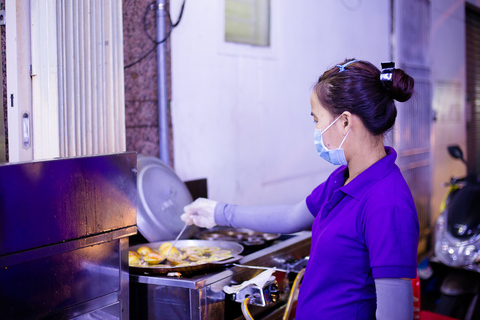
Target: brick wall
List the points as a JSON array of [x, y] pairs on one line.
[[4, 79], [141, 94]]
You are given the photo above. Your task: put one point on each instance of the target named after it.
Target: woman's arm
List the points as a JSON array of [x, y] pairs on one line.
[[394, 299], [278, 219]]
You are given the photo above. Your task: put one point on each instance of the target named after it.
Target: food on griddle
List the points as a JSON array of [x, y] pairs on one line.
[[175, 259], [133, 253], [153, 258], [186, 256], [220, 254], [194, 257], [133, 258], [143, 250], [163, 249], [165, 245]]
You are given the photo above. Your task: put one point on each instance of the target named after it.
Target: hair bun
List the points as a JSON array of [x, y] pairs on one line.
[[402, 86]]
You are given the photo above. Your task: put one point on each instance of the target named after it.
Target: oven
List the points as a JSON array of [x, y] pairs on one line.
[[64, 237]]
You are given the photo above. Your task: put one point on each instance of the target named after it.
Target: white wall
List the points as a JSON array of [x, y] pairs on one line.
[[448, 89], [241, 114]]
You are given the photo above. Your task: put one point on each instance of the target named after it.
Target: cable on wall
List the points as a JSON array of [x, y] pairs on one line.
[[151, 8]]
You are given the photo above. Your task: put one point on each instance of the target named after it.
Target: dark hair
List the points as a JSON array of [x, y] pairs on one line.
[[359, 90]]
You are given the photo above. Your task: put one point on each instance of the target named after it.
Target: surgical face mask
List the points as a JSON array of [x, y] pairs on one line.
[[336, 156]]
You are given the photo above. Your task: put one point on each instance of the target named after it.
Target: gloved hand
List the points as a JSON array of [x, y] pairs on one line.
[[201, 212]]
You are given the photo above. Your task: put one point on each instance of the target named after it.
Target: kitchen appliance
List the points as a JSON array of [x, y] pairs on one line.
[[201, 296], [198, 294], [64, 227]]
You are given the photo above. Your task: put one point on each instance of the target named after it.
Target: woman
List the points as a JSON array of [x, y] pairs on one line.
[[365, 226]]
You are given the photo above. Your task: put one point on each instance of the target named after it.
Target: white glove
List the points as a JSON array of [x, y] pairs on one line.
[[201, 212]]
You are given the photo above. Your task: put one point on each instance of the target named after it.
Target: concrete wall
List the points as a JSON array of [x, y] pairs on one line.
[[448, 84], [241, 114]]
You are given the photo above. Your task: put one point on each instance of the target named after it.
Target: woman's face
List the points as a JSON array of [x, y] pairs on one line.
[[323, 118]]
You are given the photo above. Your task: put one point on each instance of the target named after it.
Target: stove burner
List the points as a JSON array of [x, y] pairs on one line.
[[244, 236], [201, 296]]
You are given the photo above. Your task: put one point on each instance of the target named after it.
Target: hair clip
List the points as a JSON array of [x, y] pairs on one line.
[[342, 67], [387, 71]]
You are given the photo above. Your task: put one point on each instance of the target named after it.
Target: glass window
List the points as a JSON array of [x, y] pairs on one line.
[[248, 21]]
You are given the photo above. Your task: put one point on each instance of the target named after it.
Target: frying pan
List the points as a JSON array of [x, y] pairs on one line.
[[234, 248]]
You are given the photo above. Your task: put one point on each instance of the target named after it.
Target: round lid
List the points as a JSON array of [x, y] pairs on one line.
[[161, 198]]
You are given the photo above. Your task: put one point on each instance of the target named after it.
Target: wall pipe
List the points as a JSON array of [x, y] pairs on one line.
[[162, 84]]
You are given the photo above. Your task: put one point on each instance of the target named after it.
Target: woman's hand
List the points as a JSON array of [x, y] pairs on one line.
[[201, 212]]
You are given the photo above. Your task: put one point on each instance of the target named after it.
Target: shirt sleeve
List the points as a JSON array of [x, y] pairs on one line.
[[315, 199], [391, 234], [394, 299], [320, 194], [276, 219]]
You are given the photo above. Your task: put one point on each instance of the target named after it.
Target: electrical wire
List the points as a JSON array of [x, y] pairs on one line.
[[245, 311], [294, 288], [149, 8], [179, 15], [288, 309]]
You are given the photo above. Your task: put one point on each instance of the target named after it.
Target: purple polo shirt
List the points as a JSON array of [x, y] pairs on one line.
[[364, 230]]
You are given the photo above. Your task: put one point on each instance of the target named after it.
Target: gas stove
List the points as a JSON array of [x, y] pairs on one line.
[[201, 296]]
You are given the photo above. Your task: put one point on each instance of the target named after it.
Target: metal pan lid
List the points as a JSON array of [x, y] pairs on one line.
[[161, 198]]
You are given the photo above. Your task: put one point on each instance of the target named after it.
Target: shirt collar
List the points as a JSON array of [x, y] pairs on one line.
[[361, 183]]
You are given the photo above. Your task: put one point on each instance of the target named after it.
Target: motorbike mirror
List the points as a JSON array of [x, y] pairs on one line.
[[456, 152]]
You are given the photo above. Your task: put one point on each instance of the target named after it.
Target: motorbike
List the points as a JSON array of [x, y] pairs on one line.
[[457, 246]]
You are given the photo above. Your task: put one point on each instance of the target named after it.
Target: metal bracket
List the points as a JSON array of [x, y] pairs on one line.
[[292, 265], [2, 18], [259, 296]]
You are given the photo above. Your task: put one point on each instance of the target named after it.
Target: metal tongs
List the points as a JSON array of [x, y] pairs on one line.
[[176, 239]]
